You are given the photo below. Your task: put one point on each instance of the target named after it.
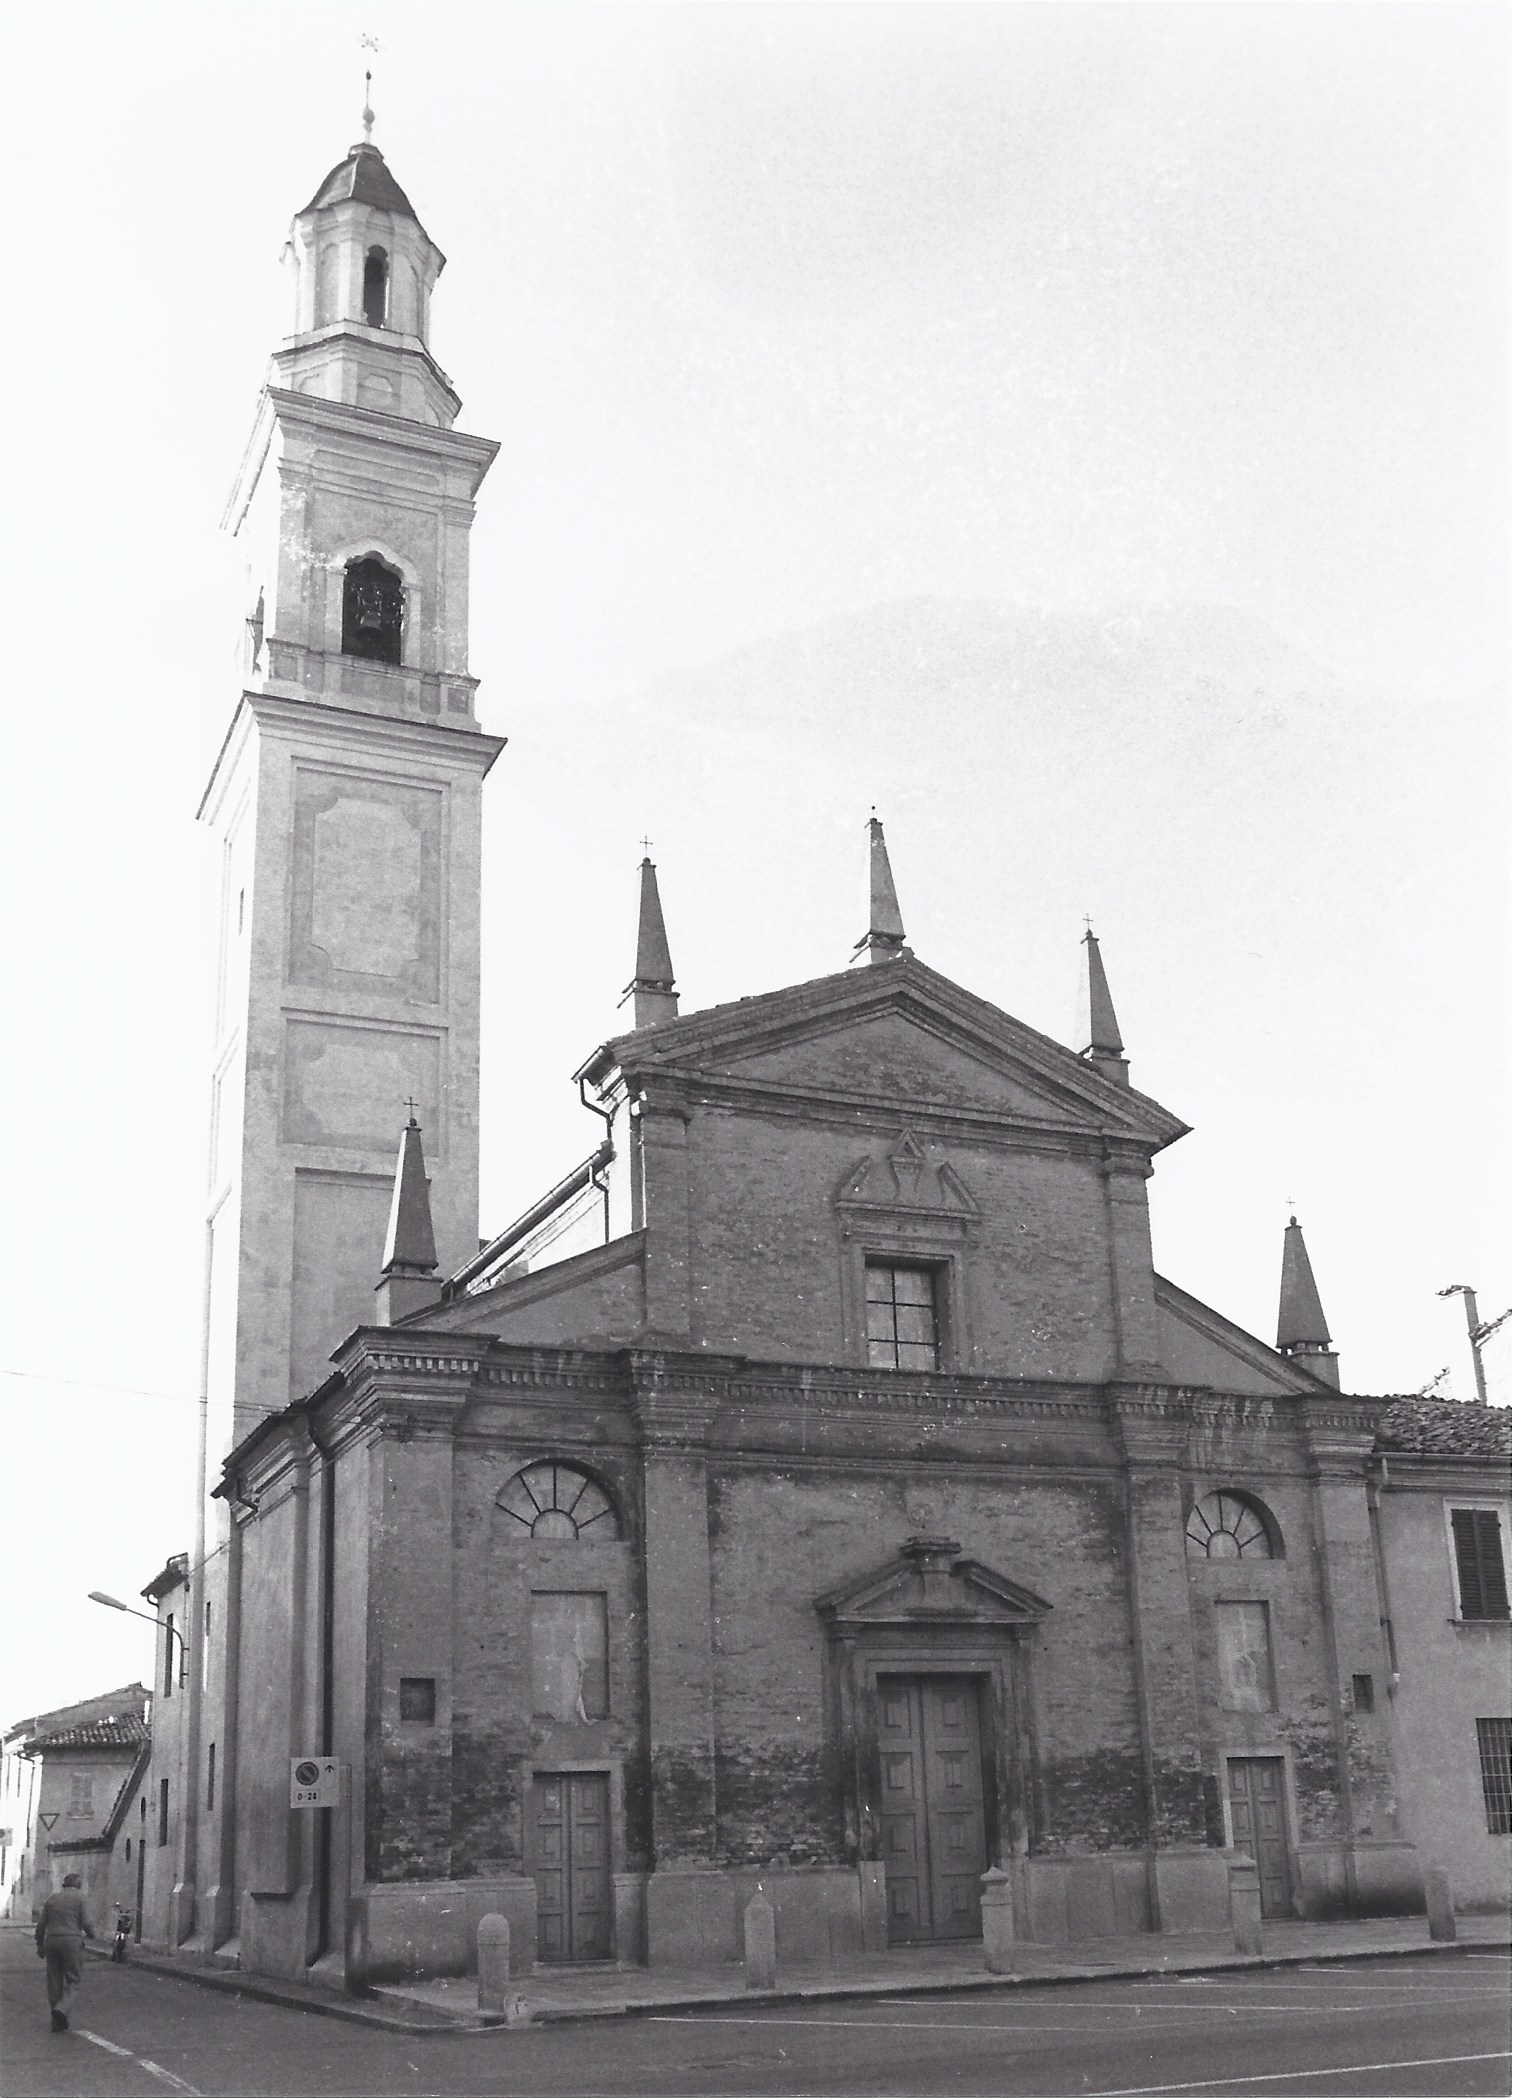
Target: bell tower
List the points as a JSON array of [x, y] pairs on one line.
[[345, 804]]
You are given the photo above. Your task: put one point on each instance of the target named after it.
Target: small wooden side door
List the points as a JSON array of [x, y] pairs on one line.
[[1258, 1817], [569, 1852]]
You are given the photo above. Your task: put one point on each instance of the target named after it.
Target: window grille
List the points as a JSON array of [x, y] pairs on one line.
[[1494, 1741], [1477, 1536], [1227, 1526], [903, 1330], [551, 1500]]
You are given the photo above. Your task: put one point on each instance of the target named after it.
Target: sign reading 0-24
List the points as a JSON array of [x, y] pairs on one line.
[[314, 1781]]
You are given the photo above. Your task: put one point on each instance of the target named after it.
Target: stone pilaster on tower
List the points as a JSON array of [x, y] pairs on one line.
[[1098, 1030], [652, 990], [1302, 1332], [409, 1257], [883, 940]]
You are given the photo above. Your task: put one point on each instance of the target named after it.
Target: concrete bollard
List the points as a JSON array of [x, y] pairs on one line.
[[1245, 1903], [1440, 1904], [761, 1942], [997, 1921], [494, 1964]]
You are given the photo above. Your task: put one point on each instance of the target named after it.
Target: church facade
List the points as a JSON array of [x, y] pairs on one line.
[[818, 1485]]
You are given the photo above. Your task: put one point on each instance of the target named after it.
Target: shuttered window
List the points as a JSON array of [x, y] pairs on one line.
[[1479, 1562]]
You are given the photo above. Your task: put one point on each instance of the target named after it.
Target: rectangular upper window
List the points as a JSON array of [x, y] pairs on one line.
[[903, 1317], [570, 1655], [1476, 1536], [1494, 1741], [1247, 1682]]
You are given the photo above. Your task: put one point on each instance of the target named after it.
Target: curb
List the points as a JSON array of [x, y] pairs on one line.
[[985, 1984], [437, 2023]]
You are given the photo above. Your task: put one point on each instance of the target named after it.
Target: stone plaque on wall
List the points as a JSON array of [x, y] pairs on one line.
[[366, 888], [346, 1085]]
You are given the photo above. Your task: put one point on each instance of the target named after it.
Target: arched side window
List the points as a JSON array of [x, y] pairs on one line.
[[1230, 1524], [552, 1500], [375, 288], [372, 610]]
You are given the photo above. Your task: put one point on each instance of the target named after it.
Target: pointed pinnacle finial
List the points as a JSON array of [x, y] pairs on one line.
[[883, 941], [1302, 1330], [652, 990], [407, 1281], [411, 1242], [1099, 1039]]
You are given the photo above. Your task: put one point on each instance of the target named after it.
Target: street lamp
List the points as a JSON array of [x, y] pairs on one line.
[[110, 1602]]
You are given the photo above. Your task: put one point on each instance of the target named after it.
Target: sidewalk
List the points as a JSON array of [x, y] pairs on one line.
[[555, 1995]]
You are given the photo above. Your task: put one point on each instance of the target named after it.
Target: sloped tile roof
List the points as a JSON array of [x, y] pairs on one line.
[[1445, 1428], [126, 1732]]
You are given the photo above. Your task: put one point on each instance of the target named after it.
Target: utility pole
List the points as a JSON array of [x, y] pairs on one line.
[[1478, 1332]]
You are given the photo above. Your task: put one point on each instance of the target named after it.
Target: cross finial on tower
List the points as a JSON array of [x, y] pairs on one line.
[[368, 43], [646, 847], [410, 1107]]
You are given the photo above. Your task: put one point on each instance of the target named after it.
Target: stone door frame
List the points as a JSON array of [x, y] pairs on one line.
[[933, 1611]]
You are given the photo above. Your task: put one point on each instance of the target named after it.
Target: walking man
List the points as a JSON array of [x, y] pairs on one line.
[[62, 1928]]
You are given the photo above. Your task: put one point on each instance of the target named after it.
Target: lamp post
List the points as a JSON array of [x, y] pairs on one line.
[[110, 1602]]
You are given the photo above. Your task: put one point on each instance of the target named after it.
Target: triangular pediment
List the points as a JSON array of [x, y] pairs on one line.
[[898, 1037], [932, 1581]]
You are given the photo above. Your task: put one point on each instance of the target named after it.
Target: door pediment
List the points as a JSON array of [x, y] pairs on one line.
[[931, 1581]]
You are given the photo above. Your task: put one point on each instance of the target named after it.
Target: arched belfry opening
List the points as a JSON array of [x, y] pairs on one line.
[[372, 610], [375, 288]]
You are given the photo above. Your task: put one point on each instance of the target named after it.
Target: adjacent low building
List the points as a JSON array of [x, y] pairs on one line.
[[1439, 1491], [73, 1780]]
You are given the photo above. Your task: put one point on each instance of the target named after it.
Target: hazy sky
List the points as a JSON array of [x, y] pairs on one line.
[[1080, 430]]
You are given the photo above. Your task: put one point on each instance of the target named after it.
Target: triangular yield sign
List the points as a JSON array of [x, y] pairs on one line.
[[47, 1820]]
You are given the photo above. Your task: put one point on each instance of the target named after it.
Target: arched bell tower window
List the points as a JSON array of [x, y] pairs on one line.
[[375, 288], [1232, 1525], [551, 1500], [372, 611]]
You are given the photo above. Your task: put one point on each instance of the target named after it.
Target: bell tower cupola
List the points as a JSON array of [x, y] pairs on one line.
[[364, 268]]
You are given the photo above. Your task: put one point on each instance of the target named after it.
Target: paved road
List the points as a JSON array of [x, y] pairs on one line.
[[1378, 2029]]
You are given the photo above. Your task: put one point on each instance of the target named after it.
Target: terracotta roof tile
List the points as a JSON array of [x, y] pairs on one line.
[[125, 1732], [1445, 1428]]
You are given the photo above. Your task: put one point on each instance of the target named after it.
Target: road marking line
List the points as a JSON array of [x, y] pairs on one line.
[[95, 2040], [174, 2083], [1231, 2083], [861, 2024]]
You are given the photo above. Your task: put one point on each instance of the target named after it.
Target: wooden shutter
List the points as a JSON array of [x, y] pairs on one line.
[[1478, 1562]]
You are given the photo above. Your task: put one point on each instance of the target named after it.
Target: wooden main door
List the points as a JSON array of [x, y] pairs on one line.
[[933, 1840], [569, 1854], [1258, 1819]]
